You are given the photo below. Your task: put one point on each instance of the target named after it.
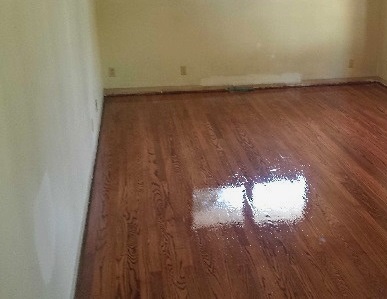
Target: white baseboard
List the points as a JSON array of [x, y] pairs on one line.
[[87, 202], [382, 81], [200, 88]]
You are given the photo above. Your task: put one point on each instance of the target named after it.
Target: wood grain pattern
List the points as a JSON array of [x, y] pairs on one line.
[[176, 210]]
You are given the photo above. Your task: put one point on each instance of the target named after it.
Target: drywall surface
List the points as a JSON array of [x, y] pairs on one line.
[[49, 82], [236, 41], [382, 67]]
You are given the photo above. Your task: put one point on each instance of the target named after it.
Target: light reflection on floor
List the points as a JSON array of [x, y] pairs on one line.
[[281, 200], [218, 206], [278, 200]]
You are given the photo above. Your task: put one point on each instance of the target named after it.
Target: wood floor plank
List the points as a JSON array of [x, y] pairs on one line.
[[277, 193]]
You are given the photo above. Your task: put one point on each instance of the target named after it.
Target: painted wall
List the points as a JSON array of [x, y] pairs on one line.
[[382, 67], [236, 41], [49, 82]]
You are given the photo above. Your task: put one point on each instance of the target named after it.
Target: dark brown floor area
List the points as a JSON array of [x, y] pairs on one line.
[[277, 193]]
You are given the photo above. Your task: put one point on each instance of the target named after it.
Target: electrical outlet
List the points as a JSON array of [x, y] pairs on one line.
[[183, 70], [112, 72], [351, 63]]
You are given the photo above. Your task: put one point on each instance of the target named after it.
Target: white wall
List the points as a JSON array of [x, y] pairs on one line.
[[236, 41], [49, 82]]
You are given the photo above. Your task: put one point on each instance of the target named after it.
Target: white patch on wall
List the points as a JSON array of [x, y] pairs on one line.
[[44, 229], [287, 78]]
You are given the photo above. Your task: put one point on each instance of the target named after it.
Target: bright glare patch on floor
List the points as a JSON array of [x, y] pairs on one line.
[[279, 200], [218, 206]]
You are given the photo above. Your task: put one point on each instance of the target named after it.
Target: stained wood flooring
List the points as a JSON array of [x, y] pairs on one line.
[[278, 193]]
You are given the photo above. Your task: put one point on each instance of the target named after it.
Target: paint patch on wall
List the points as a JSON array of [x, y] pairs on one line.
[[44, 229], [288, 78]]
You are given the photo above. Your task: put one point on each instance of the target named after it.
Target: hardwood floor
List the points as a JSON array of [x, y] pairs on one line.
[[278, 193]]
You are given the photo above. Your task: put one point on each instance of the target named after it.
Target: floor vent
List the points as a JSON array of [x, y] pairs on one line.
[[240, 89]]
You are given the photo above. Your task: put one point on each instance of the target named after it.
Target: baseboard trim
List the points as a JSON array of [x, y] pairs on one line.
[[111, 92], [382, 82], [85, 219]]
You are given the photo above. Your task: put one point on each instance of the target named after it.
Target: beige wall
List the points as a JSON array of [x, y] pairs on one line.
[[49, 81], [236, 42], [382, 67]]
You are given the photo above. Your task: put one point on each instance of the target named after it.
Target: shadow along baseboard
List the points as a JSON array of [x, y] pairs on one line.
[[200, 88]]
